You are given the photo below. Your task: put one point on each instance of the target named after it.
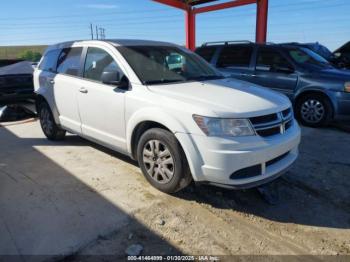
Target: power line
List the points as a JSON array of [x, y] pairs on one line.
[[167, 16]]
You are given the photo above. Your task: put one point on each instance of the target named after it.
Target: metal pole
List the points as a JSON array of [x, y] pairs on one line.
[[261, 21], [92, 32], [190, 29]]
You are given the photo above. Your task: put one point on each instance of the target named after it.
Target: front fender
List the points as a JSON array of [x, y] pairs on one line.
[[329, 93], [153, 114]]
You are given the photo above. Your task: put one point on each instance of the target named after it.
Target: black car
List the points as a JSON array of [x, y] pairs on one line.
[[320, 92], [343, 53], [16, 82], [340, 58]]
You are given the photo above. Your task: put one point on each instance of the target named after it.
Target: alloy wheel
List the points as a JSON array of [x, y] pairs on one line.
[[158, 161], [312, 111]]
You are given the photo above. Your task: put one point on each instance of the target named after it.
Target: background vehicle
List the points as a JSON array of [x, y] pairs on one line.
[[337, 59], [142, 98], [319, 91], [16, 82], [343, 53]]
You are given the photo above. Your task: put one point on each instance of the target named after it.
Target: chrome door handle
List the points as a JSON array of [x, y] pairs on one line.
[[247, 75], [243, 74], [83, 90], [51, 81]]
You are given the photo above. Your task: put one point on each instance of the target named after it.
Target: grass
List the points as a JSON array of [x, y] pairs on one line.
[[13, 52]]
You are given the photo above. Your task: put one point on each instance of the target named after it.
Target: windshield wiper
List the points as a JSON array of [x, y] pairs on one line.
[[161, 81], [206, 77]]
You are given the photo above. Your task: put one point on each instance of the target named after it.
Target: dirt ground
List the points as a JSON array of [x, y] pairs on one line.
[[305, 212], [311, 216]]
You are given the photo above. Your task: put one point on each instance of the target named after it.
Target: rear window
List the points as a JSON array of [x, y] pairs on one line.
[[235, 56], [206, 52], [49, 61], [69, 61]]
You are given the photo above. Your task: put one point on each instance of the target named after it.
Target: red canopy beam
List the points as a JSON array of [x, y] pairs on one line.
[[217, 7], [261, 16], [174, 3]]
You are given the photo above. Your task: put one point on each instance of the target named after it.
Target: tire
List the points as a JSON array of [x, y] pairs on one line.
[[162, 161], [51, 130], [314, 110]]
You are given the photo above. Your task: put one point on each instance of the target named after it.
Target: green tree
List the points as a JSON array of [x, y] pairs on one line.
[[30, 56]]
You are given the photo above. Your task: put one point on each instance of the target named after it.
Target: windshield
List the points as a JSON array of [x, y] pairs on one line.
[[306, 56], [321, 50], [167, 64]]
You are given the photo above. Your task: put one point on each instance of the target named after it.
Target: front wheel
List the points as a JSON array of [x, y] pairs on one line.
[[314, 110], [51, 130], [162, 161]]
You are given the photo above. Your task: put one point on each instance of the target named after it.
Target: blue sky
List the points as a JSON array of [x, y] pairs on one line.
[[24, 22]]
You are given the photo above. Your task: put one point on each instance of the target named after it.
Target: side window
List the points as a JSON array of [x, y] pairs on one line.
[[49, 61], [99, 61], [69, 61], [269, 59], [206, 52], [235, 56]]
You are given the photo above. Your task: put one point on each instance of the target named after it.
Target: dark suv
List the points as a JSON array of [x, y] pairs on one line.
[[319, 91]]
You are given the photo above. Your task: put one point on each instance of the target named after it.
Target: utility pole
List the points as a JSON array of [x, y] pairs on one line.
[[101, 33], [92, 31]]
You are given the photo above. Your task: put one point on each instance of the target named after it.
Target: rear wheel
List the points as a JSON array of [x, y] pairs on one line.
[[51, 130], [162, 161], [314, 110]]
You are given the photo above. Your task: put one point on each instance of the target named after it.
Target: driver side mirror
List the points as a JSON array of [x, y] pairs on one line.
[[111, 78]]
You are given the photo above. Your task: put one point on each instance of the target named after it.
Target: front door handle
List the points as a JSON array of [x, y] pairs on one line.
[[51, 81], [83, 90]]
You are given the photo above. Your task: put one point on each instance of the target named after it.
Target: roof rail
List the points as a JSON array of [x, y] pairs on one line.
[[227, 42]]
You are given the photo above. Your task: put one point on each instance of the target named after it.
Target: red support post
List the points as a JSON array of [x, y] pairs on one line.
[[261, 21], [190, 29]]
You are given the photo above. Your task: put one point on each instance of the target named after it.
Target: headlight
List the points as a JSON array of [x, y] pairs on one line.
[[224, 127], [347, 87]]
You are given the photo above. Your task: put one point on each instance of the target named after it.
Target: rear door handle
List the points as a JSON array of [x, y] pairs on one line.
[[247, 75], [51, 81], [83, 90]]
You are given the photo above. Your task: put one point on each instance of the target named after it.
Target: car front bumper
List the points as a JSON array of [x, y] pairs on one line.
[[242, 162], [342, 100]]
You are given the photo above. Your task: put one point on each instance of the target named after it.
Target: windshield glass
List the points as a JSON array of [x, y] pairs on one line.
[[321, 50], [303, 55], [167, 64]]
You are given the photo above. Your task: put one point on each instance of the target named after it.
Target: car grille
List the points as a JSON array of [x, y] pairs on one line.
[[256, 170], [273, 124]]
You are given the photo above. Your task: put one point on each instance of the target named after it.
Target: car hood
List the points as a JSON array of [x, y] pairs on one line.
[[225, 98], [336, 74]]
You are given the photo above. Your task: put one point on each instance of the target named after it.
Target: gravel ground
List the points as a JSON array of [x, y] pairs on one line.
[[305, 212], [309, 213]]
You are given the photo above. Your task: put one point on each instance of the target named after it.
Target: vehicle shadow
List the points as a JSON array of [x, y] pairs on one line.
[[53, 210], [294, 201], [296, 196]]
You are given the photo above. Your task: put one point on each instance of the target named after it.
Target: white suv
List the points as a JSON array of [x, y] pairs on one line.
[[166, 107]]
